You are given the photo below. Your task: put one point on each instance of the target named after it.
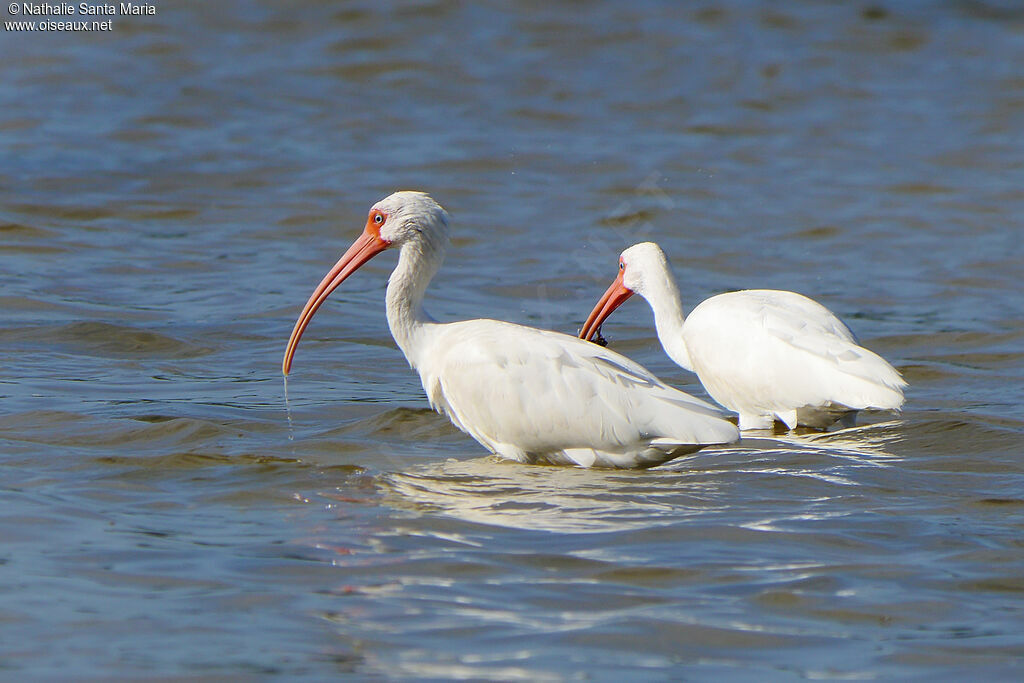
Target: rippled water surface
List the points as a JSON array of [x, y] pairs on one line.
[[172, 190]]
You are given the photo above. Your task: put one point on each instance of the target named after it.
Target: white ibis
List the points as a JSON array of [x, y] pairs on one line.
[[763, 353], [525, 394]]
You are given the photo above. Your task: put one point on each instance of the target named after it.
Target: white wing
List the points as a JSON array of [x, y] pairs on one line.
[[533, 395], [778, 350]]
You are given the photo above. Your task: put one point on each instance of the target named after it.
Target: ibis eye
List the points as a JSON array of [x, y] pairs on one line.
[[378, 218], [622, 266]]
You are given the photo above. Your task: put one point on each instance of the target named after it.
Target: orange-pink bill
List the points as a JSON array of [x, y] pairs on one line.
[[368, 245], [614, 297]]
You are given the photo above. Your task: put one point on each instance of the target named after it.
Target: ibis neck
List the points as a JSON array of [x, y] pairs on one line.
[[663, 296], [417, 264]]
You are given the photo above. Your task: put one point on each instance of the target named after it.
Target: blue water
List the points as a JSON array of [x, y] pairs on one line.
[[173, 189]]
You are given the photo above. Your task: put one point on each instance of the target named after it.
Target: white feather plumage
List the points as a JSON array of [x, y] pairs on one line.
[[765, 354], [525, 394]]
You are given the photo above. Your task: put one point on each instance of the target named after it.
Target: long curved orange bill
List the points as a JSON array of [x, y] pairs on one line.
[[368, 245], [614, 297]]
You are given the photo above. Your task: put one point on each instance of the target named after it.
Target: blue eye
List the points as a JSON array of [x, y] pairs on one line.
[[378, 219]]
